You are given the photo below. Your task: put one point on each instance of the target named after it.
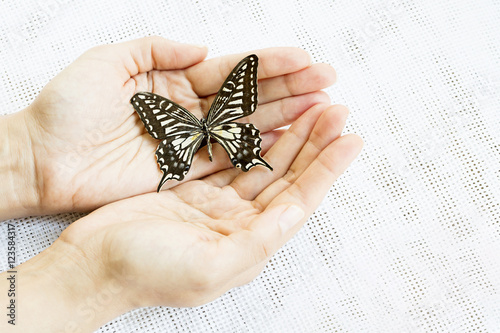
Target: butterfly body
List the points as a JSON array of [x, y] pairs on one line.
[[206, 131], [182, 133]]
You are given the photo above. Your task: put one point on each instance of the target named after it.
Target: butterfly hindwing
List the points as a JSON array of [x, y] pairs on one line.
[[242, 144], [238, 95], [162, 117], [175, 155]]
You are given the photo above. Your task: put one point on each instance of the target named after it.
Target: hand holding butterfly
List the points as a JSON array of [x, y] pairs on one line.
[[80, 144], [190, 244]]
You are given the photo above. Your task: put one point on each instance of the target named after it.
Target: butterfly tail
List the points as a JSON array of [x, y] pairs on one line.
[[264, 163], [162, 182], [256, 161]]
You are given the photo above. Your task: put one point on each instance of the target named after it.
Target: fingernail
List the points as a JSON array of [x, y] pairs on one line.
[[290, 217], [200, 46]]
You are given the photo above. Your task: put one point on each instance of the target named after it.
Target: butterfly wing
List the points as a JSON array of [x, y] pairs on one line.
[[180, 131], [238, 95], [162, 117], [242, 144], [175, 155]]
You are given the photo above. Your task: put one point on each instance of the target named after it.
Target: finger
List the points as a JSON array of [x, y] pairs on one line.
[[251, 247], [289, 211], [310, 79], [280, 156], [207, 77], [250, 274], [328, 128], [280, 113], [315, 77], [309, 189], [145, 54]]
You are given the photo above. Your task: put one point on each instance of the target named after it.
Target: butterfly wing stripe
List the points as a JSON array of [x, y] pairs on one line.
[[238, 95], [162, 117], [242, 144], [175, 155]]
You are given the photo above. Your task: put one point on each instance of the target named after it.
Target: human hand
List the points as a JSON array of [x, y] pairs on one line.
[[90, 148], [188, 245]]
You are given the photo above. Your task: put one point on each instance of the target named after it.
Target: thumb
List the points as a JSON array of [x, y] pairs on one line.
[[265, 235], [289, 217]]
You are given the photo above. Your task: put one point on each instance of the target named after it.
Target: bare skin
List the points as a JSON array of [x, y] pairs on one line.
[[192, 242], [88, 144]]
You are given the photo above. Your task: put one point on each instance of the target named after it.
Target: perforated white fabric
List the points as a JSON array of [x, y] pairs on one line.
[[408, 239]]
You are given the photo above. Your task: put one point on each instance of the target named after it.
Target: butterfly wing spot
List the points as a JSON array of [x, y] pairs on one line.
[[186, 169], [236, 101]]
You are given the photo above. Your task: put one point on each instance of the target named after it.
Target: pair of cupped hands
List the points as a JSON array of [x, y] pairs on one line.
[[185, 246]]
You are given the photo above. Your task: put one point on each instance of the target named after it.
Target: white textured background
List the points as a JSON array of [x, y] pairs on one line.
[[408, 240]]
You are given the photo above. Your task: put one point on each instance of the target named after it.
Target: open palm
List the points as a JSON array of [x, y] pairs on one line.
[[90, 147], [188, 245]]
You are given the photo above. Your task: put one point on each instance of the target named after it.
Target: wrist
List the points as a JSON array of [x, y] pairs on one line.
[[19, 189], [62, 289]]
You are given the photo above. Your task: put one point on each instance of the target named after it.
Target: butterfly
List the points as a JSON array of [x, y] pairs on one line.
[[182, 134]]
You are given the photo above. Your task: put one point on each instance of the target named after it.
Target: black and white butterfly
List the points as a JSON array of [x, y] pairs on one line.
[[182, 133]]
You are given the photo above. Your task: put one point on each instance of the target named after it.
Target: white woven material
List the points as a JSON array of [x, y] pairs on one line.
[[408, 239]]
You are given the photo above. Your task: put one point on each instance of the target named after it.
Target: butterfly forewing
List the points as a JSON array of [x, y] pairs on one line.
[[162, 117], [180, 131], [238, 95], [242, 144]]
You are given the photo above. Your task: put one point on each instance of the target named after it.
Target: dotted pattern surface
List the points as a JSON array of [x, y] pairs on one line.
[[408, 239]]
